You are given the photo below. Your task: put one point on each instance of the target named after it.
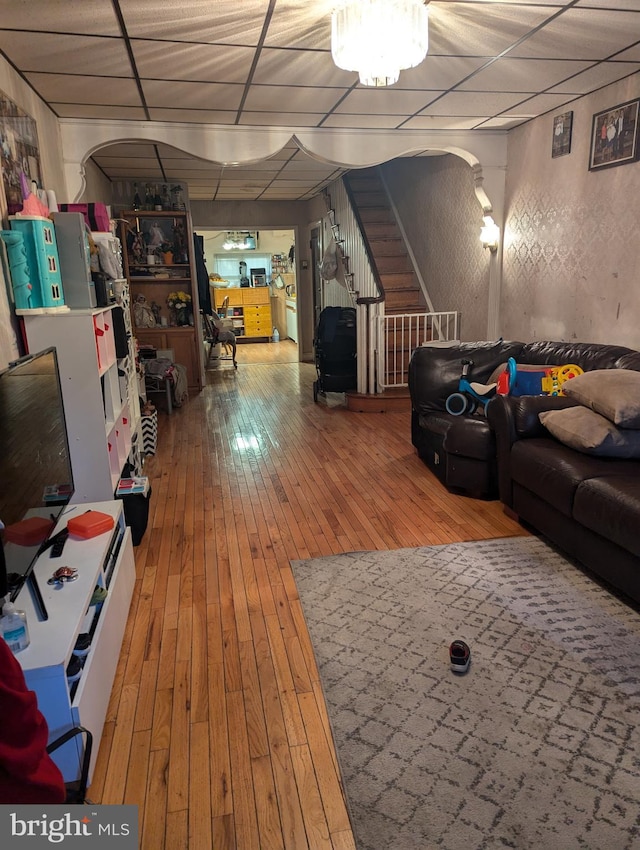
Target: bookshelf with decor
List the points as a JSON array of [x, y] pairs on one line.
[[159, 265]]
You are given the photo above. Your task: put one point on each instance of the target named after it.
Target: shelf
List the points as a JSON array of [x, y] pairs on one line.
[[185, 340]]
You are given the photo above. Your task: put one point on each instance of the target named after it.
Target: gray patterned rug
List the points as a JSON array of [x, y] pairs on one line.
[[537, 746]]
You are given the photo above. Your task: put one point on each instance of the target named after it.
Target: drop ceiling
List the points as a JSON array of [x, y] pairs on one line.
[[492, 64]]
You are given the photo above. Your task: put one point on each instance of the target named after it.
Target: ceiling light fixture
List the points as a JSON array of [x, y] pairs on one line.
[[379, 38], [239, 242], [490, 234]]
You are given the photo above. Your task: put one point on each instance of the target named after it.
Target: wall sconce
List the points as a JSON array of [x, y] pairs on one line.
[[490, 234]]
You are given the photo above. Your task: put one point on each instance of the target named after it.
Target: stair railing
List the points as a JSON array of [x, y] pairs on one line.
[[398, 335]]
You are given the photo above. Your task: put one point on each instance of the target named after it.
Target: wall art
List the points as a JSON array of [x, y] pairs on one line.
[[614, 136], [18, 151], [561, 143]]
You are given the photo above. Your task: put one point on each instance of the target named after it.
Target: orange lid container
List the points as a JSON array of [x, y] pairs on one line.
[[90, 524]]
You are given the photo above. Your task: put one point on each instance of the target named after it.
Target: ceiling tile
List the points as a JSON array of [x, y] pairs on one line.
[[482, 29], [92, 18], [188, 95], [582, 34], [79, 110], [600, 75], [292, 98], [522, 75], [459, 103], [289, 67], [363, 122], [221, 21], [387, 101], [62, 54], [281, 119], [439, 72], [203, 62], [504, 122], [193, 116], [542, 103], [300, 23], [441, 122], [68, 88]]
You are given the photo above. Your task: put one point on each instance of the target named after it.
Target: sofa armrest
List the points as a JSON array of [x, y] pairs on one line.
[[513, 419]]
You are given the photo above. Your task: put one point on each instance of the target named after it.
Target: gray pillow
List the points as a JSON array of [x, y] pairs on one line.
[[614, 393], [586, 431]]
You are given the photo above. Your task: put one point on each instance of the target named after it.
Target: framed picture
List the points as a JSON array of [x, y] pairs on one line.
[[18, 151], [561, 143], [614, 136]]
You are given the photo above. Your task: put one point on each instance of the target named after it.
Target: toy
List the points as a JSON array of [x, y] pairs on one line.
[[470, 394], [555, 378], [533, 381]]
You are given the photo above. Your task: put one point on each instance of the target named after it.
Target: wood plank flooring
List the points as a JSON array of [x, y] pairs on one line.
[[217, 728]]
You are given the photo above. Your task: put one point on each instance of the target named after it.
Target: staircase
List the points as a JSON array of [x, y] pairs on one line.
[[387, 250], [392, 267]]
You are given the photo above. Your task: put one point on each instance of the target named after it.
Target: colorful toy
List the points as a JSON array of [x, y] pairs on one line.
[[547, 380], [470, 394], [556, 377], [41, 251], [20, 278]]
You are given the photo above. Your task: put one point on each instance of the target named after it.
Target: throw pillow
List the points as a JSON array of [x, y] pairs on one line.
[[586, 431], [614, 393]]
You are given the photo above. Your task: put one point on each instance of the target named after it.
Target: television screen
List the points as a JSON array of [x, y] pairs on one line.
[[35, 467]]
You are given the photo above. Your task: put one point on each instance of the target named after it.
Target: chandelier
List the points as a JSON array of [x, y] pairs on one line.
[[379, 38]]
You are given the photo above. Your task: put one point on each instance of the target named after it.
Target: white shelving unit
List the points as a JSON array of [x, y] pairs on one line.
[[100, 411], [106, 560]]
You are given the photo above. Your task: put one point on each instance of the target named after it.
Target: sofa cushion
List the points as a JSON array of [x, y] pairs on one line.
[[610, 506], [586, 431], [554, 472], [470, 436], [614, 393]]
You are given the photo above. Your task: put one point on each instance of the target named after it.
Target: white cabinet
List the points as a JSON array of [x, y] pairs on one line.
[[100, 416], [106, 560]]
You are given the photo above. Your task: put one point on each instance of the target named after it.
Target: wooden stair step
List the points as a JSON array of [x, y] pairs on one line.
[[398, 264], [370, 199], [375, 214], [389, 401], [399, 280], [381, 230], [387, 246]]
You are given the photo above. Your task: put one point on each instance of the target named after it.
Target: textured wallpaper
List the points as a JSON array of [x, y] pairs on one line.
[[442, 217], [571, 265]]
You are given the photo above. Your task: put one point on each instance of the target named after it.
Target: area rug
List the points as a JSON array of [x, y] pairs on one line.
[[536, 746]]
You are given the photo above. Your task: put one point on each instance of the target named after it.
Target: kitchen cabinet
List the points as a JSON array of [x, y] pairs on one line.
[[158, 261], [249, 310]]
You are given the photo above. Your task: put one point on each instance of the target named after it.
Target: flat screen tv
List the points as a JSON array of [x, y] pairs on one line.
[[36, 481]]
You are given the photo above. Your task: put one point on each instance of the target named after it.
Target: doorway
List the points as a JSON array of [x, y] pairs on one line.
[[256, 271]]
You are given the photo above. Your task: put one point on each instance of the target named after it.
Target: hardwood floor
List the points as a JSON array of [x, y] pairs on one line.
[[217, 727]]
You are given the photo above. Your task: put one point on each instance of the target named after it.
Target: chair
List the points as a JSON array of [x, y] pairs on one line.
[[215, 332], [76, 791]]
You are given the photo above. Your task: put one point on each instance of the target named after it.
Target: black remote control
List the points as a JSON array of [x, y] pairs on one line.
[[58, 543]]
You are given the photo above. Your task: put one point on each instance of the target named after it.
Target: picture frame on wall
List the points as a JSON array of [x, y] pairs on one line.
[[614, 136], [562, 126]]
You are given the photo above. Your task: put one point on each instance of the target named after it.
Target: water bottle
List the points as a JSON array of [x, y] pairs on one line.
[[276, 335]]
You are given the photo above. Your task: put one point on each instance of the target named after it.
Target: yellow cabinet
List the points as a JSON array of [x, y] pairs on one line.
[[249, 309]]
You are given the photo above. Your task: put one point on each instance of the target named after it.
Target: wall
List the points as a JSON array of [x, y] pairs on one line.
[[53, 176], [438, 207], [571, 247], [98, 188]]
